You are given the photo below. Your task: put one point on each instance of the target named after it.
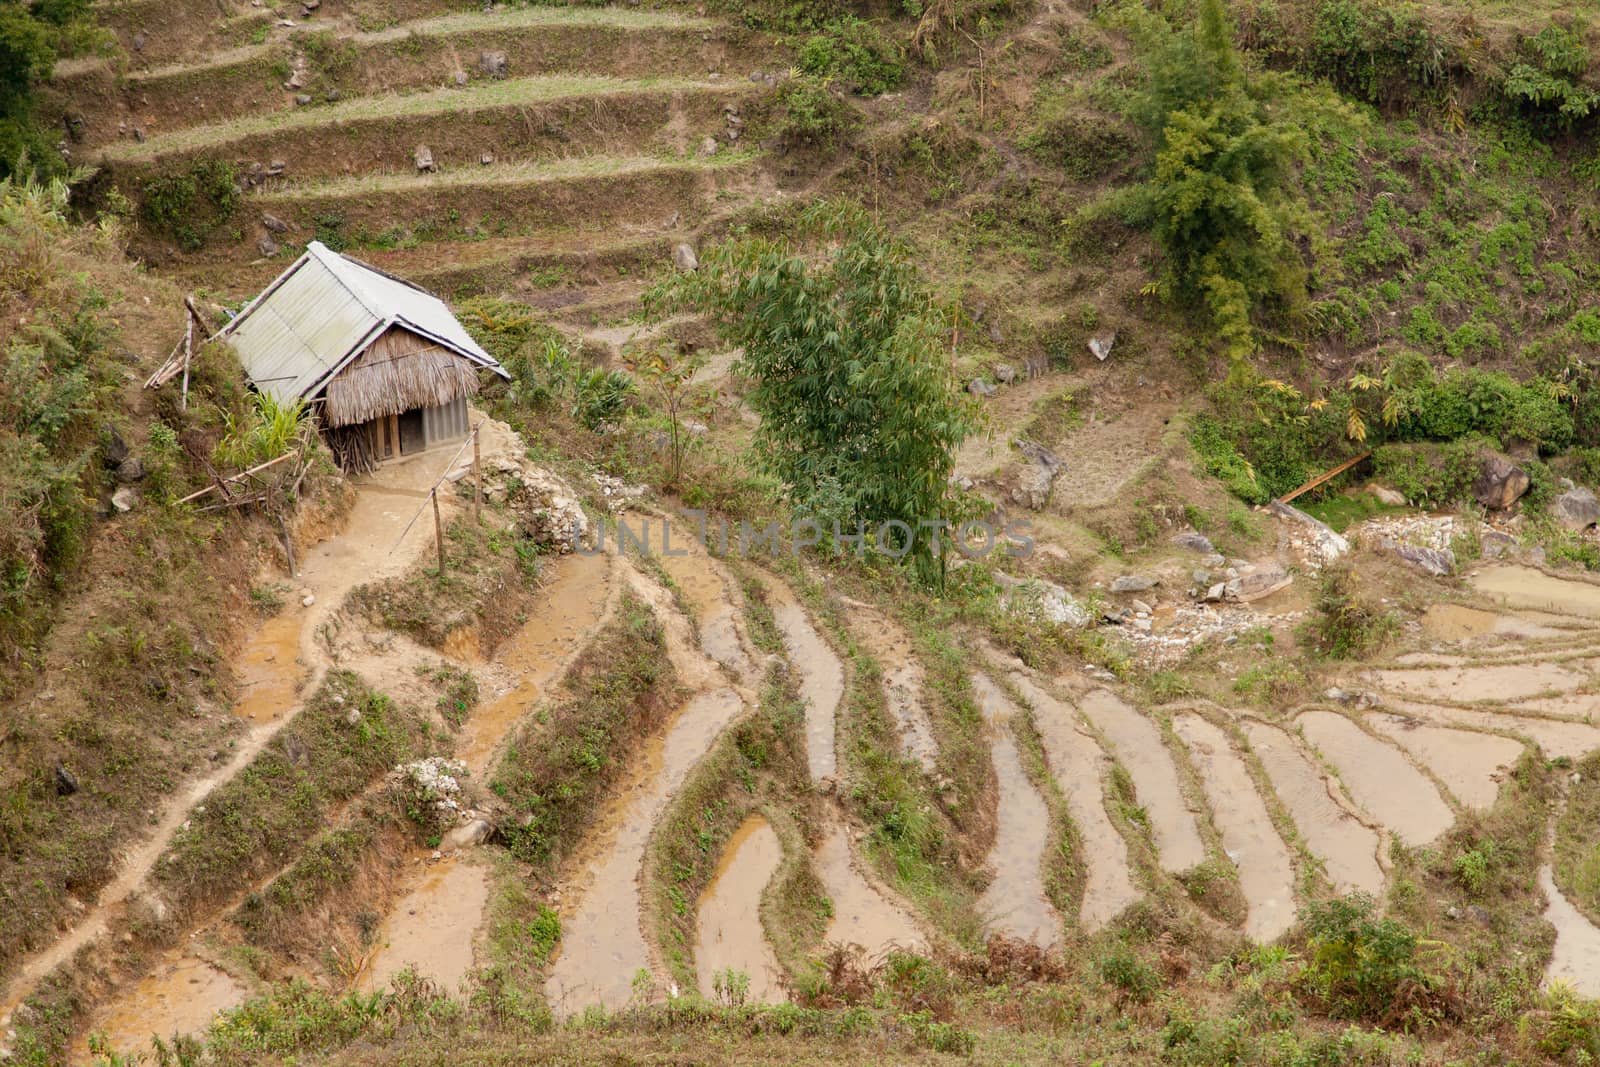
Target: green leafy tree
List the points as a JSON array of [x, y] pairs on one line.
[[860, 413], [1224, 199]]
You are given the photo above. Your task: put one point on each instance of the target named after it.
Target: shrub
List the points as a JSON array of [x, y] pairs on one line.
[[1380, 52], [1361, 967], [809, 114], [1430, 475], [1344, 625], [857, 53], [1549, 80], [190, 205], [1129, 973]]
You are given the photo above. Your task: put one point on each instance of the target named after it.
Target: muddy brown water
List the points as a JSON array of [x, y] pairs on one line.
[[602, 944], [1138, 745], [707, 595], [821, 677], [1457, 622], [1554, 738], [863, 914], [434, 928], [1469, 763], [1498, 682], [268, 669], [1576, 956], [1379, 778], [574, 602], [728, 933], [180, 996], [890, 646], [1079, 767], [1524, 587], [1266, 870], [1347, 848], [1015, 903]]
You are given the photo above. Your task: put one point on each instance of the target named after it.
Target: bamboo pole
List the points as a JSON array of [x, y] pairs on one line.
[[438, 527], [477, 478], [188, 352], [241, 475], [1319, 479]]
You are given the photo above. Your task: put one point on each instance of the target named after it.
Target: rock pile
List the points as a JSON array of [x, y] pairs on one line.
[[430, 791]]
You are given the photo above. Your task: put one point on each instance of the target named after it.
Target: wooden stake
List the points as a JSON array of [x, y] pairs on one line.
[[438, 528], [188, 351], [477, 479]]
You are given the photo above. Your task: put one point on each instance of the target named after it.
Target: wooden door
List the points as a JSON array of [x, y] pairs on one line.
[[412, 436]]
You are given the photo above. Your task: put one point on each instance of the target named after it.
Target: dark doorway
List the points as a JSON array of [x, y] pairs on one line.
[[412, 437]]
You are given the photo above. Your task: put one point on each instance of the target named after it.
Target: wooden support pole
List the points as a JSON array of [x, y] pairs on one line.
[[188, 352], [438, 528], [477, 478]]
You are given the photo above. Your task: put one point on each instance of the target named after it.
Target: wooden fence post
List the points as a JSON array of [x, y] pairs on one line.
[[477, 478], [438, 528]]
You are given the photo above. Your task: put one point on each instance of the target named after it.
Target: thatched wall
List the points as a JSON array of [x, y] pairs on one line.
[[399, 371]]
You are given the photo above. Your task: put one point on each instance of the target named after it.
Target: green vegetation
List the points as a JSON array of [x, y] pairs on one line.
[[32, 35], [554, 770], [1346, 625], [346, 736], [1224, 200], [856, 53], [190, 205], [860, 415]]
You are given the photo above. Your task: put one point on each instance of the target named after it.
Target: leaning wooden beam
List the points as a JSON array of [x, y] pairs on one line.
[[241, 475], [1319, 479]]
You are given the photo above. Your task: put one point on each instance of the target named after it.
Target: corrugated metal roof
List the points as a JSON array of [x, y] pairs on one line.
[[323, 312]]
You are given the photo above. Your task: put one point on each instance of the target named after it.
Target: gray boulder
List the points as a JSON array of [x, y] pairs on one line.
[[684, 258], [1500, 483], [1194, 542], [1576, 509], [1435, 561], [1034, 482], [493, 64], [1387, 496], [1132, 583]]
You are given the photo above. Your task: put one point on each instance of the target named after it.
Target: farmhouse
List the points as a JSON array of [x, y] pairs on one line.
[[384, 363]]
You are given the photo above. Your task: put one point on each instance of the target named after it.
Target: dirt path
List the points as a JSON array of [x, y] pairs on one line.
[[1079, 766], [729, 936], [370, 548], [1015, 903], [1347, 847], [1379, 778], [1138, 746], [1266, 871]]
